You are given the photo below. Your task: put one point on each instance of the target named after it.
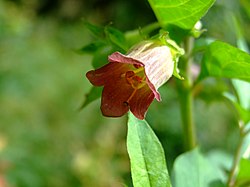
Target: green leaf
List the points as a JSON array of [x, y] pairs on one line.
[[245, 4], [95, 30], [100, 57], [94, 94], [243, 89], [243, 113], [182, 13], [92, 47], [148, 165], [116, 37], [223, 60], [212, 91], [192, 169], [243, 178]]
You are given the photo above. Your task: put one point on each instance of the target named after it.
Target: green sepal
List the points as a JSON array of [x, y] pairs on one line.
[[176, 52]]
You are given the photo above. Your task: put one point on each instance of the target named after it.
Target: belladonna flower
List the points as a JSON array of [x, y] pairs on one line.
[[131, 81]]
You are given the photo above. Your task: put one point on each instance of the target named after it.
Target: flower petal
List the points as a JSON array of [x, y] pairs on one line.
[[118, 57], [152, 87], [140, 102], [107, 73], [114, 97]]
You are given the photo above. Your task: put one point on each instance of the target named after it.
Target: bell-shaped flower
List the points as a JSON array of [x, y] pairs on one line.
[[131, 81]]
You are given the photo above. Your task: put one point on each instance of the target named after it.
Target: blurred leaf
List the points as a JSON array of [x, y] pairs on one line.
[[243, 89], [246, 6], [243, 113], [219, 14], [223, 60], [222, 160], [201, 44], [134, 36], [211, 90], [92, 47], [94, 29], [100, 57], [183, 14], [192, 169], [148, 165], [116, 37], [94, 94], [217, 184], [243, 178]]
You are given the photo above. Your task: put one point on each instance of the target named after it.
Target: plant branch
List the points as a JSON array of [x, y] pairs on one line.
[[151, 27], [186, 97], [237, 156], [136, 35]]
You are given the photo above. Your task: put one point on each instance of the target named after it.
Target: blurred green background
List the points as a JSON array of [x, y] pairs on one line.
[[44, 139]]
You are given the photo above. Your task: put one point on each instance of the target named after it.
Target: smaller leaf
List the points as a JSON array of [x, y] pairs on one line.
[[243, 89], [223, 60], [148, 165], [100, 57], [94, 94], [92, 47], [94, 29], [243, 113], [116, 37]]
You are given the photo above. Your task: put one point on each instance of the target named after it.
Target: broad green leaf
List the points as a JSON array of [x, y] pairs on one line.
[[116, 37], [223, 60], [241, 101], [93, 94], [243, 178], [182, 13], [222, 160], [148, 165], [242, 88], [192, 169]]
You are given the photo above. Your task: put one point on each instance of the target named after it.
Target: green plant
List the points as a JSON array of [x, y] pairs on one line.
[[205, 58]]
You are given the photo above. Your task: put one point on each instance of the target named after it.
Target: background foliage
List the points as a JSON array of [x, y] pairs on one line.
[[46, 141]]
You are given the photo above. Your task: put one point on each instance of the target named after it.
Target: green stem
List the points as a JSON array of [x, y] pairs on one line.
[[237, 156], [186, 97], [151, 27], [186, 103], [135, 36]]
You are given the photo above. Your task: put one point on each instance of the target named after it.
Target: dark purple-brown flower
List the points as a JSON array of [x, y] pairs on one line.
[[131, 81]]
